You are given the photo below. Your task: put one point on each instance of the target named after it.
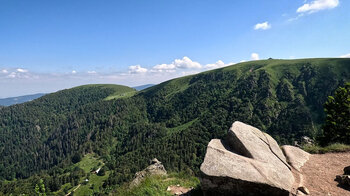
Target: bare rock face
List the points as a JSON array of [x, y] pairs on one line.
[[155, 168], [247, 162], [296, 157]]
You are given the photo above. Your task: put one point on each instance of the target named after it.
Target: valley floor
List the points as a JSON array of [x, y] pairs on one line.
[[320, 172]]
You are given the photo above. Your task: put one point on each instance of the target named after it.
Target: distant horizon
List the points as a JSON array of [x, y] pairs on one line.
[[134, 86], [161, 81], [45, 93], [51, 45]]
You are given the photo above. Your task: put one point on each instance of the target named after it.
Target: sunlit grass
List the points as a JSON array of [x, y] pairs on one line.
[[337, 147], [157, 185]]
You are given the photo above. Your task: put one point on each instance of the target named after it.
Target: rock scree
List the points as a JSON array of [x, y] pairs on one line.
[[247, 162]]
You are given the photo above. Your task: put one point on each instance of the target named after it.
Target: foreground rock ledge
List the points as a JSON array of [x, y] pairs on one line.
[[155, 168], [247, 162]]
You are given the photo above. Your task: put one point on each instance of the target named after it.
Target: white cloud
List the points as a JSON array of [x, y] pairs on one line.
[[218, 64], [91, 72], [74, 72], [4, 71], [187, 63], [345, 56], [165, 67], [262, 26], [134, 69], [21, 70], [254, 56], [184, 63], [317, 5]]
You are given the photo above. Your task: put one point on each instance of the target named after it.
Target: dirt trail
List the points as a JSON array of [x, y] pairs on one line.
[[73, 190], [320, 171]]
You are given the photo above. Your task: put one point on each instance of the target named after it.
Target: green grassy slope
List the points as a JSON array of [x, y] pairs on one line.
[[157, 185]]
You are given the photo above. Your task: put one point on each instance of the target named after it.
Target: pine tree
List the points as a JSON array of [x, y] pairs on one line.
[[337, 109], [40, 188]]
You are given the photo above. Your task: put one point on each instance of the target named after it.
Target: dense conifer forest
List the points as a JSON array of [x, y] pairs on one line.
[[173, 121]]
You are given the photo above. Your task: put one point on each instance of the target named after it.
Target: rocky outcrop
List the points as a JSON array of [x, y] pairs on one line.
[[295, 156], [344, 180], [155, 168], [246, 162]]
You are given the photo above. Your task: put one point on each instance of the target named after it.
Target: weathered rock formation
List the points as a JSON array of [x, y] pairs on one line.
[[295, 156], [155, 168], [246, 162]]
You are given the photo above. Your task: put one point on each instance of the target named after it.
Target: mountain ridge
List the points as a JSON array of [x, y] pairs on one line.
[[19, 99], [173, 121]]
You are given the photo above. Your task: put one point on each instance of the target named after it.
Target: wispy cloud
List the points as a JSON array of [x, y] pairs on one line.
[[20, 81], [91, 72], [21, 70], [11, 75], [312, 7], [345, 56], [317, 5], [262, 26], [17, 73]]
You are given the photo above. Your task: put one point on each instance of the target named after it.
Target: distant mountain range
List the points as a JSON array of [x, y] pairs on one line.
[[21, 99]]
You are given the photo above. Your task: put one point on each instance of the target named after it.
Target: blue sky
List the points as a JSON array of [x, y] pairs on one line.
[[50, 45]]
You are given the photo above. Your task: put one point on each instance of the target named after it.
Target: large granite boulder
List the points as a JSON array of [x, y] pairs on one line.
[[247, 162], [296, 157]]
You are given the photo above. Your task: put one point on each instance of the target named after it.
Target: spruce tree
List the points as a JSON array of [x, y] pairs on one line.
[[337, 124]]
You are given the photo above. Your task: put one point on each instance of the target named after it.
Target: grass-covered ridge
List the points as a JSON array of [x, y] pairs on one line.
[[116, 91], [157, 185]]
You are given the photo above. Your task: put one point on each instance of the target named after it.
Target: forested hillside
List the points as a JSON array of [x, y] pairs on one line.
[[173, 121], [36, 135]]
